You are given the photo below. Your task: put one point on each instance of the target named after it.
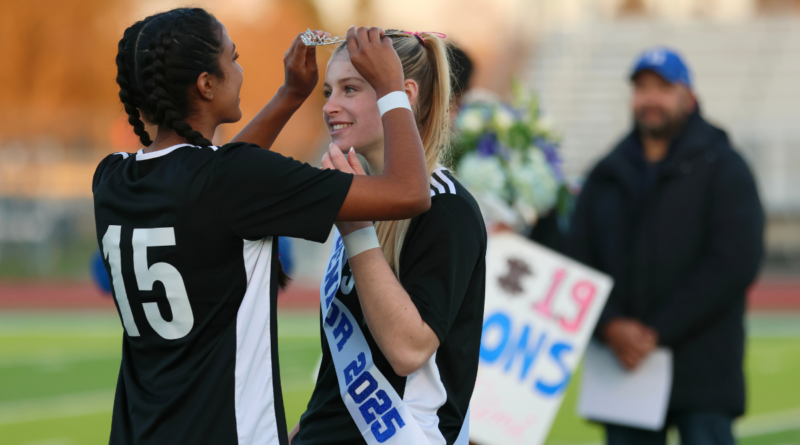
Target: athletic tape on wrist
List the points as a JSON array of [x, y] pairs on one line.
[[360, 241], [395, 99]]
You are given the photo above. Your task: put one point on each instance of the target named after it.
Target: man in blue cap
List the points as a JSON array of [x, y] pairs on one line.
[[673, 215]]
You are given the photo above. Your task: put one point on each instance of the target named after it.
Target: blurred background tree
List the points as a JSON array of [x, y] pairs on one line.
[[60, 71]]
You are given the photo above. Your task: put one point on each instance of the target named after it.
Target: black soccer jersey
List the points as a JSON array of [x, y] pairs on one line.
[[443, 269], [188, 237]]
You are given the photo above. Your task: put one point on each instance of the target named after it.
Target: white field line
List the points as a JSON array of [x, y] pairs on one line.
[[287, 329], [762, 424], [58, 359], [11, 333], [48, 331], [69, 405], [51, 442]]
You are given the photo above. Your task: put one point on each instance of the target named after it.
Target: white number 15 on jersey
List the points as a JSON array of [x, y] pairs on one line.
[[168, 275]]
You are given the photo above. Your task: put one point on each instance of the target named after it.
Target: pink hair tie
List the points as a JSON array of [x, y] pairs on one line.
[[418, 35]]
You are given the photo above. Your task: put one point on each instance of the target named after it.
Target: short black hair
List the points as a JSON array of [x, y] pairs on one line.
[[158, 59], [461, 69]]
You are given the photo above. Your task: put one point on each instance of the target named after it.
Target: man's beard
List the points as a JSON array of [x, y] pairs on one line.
[[668, 128]]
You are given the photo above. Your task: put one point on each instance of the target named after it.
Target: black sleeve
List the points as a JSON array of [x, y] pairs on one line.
[[731, 262], [261, 193], [101, 167], [442, 249]]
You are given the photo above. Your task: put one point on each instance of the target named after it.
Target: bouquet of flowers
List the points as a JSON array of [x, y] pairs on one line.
[[507, 156]]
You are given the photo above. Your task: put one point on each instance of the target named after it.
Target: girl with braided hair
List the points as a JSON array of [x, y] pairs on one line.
[[188, 230]]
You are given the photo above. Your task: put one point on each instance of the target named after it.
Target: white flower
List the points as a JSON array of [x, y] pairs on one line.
[[534, 182], [494, 210], [527, 214], [482, 174], [544, 125], [503, 119], [471, 121]]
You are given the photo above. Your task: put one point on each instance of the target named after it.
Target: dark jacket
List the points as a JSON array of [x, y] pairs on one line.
[[683, 241]]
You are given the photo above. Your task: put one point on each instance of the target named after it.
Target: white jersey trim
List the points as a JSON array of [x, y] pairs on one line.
[[424, 395], [440, 183], [256, 422], [142, 156]]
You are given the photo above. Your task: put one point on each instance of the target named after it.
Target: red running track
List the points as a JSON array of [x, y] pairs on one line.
[[770, 294]]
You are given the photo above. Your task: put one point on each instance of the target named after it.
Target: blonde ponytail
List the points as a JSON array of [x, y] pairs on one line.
[[429, 66]]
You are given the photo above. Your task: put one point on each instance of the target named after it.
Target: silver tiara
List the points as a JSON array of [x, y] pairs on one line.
[[311, 39]]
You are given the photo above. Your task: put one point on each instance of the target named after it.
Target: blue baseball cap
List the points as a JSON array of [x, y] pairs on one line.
[[666, 63]]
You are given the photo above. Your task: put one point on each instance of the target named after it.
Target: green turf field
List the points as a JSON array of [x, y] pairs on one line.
[[58, 371]]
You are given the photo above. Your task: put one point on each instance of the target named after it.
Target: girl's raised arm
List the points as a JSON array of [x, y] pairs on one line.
[[301, 76]]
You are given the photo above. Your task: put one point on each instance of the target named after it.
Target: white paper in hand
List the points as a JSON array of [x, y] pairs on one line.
[[611, 394]]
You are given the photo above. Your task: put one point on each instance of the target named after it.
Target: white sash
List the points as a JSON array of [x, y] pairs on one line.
[[379, 412], [377, 409]]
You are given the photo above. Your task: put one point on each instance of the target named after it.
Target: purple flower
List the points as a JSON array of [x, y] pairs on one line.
[[487, 145], [550, 151]]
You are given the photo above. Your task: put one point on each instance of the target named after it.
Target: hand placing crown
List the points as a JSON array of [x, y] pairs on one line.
[[310, 38]]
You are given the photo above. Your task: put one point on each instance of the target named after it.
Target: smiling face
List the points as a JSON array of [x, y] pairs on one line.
[[351, 109], [226, 91]]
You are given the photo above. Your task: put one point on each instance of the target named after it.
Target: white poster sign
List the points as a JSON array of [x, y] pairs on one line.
[[541, 310]]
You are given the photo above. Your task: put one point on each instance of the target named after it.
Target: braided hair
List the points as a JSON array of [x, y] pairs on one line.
[[158, 59], [126, 92]]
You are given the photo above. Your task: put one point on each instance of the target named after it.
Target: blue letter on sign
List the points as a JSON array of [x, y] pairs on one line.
[[528, 355], [557, 388], [500, 321]]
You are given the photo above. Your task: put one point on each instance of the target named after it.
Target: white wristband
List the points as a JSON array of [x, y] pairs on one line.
[[396, 99], [360, 241]]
